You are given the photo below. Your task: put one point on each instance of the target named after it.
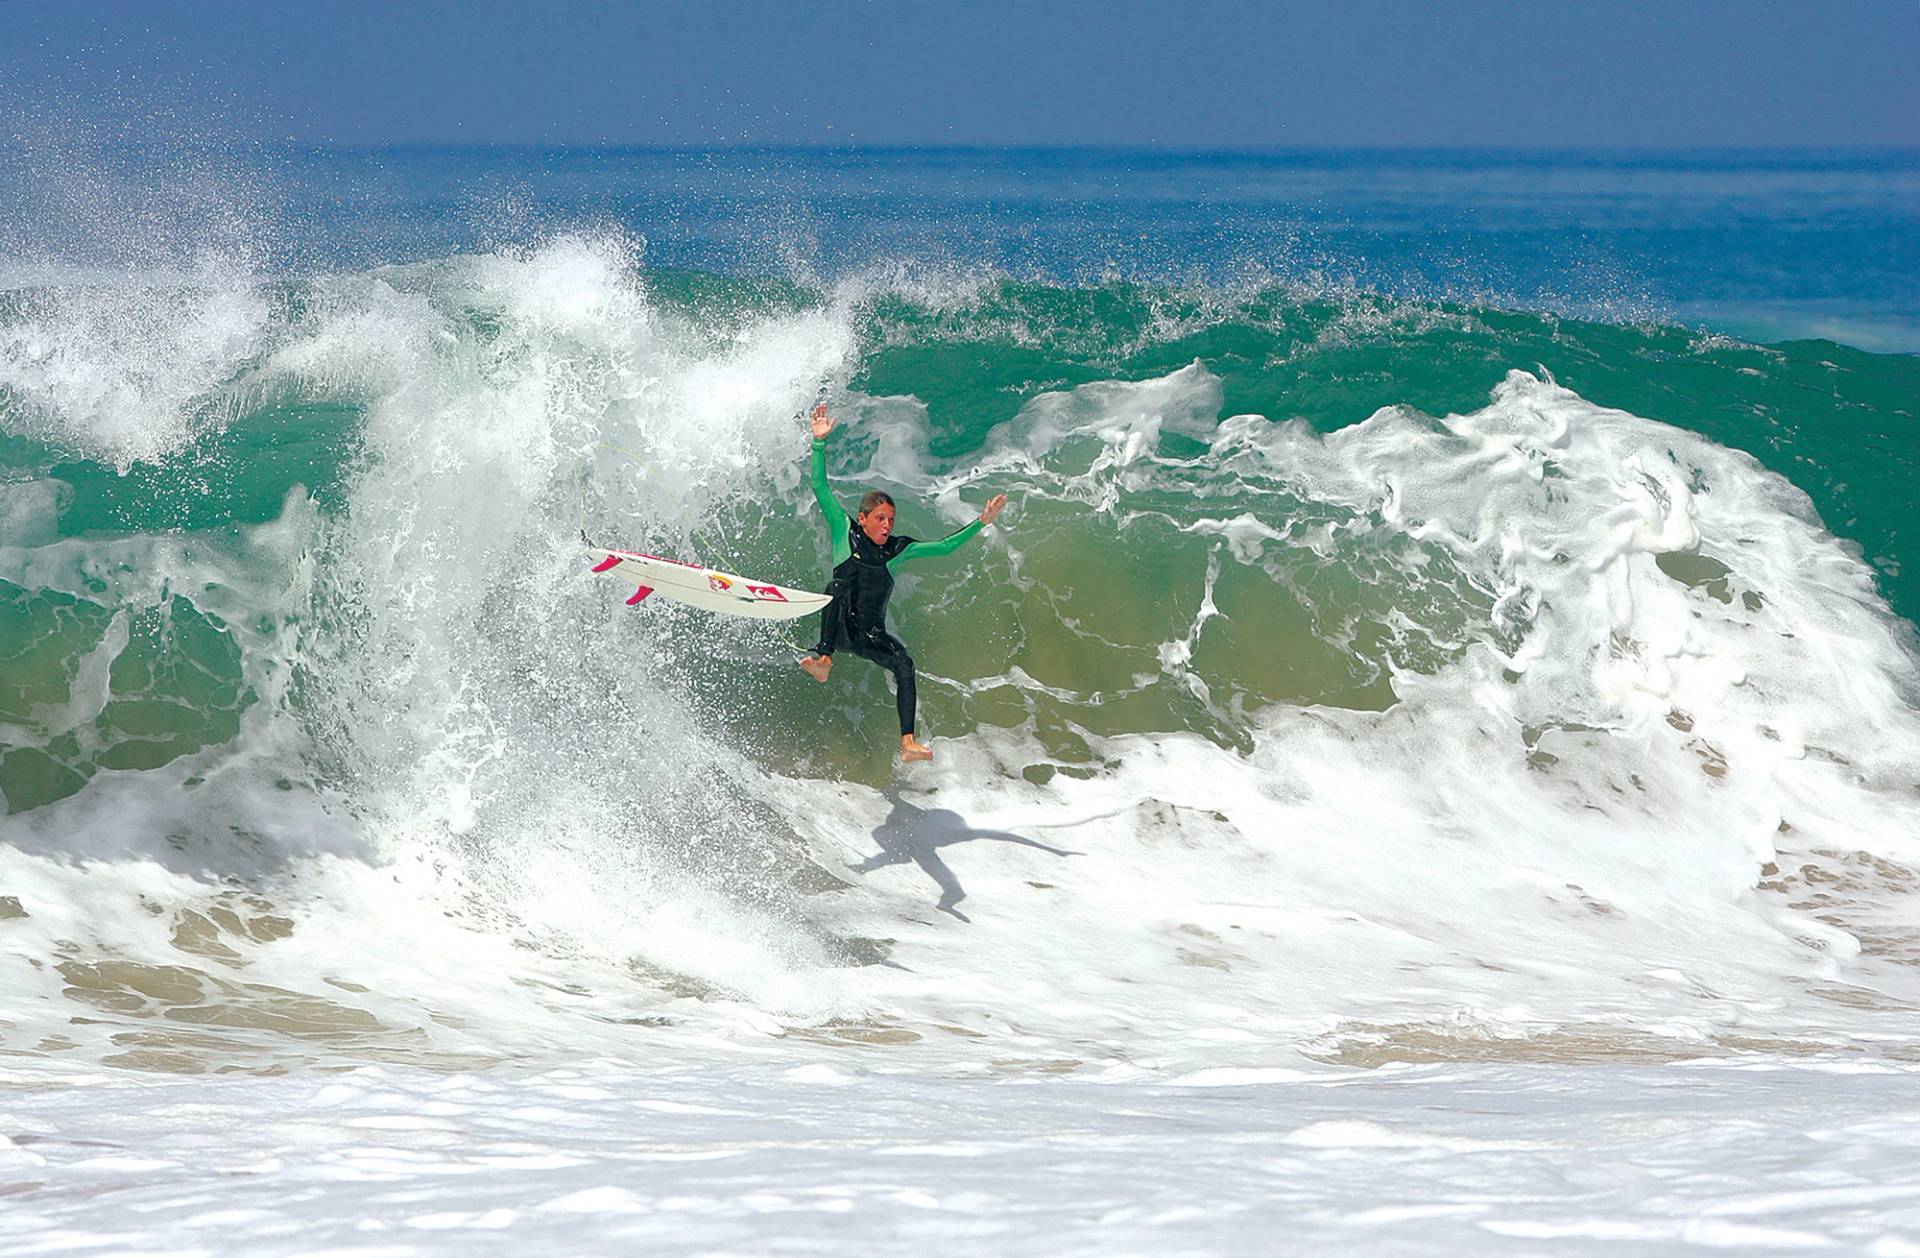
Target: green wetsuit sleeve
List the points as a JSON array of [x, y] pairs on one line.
[[945, 546], [835, 513]]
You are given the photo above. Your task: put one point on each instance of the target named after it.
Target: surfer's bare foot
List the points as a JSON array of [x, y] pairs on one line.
[[912, 749], [817, 666]]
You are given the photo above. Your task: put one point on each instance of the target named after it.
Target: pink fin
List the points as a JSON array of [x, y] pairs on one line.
[[639, 594], [611, 561]]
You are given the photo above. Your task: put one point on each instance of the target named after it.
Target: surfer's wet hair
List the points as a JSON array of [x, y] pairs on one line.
[[875, 498]]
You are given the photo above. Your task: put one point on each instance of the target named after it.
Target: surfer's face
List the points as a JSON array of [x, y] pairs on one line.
[[877, 524]]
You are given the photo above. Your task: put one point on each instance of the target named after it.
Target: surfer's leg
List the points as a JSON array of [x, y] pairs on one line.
[[833, 632], [833, 626], [891, 654]]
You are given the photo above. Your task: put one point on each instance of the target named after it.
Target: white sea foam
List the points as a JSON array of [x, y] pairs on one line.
[[515, 818], [607, 1154], [126, 370], [633, 985]]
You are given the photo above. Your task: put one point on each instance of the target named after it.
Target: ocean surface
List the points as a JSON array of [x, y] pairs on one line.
[[1429, 760]]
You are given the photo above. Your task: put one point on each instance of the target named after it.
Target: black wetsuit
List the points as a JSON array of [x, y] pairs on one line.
[[856, 619]]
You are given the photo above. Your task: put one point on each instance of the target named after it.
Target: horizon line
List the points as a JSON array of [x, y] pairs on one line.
[[1128, 147]]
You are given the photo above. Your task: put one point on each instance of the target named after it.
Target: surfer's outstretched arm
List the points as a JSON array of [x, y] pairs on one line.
[[819, 662], [836, 515], [956, 539]]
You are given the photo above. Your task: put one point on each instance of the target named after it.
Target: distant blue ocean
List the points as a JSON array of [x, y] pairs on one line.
[[1761, 244]]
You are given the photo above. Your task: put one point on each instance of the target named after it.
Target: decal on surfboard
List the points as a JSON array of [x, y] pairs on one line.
[[706, 588]]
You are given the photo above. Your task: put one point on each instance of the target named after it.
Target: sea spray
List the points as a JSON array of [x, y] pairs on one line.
[[1297, 705]]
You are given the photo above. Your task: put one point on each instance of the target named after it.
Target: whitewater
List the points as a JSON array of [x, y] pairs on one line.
[[1479, 828]]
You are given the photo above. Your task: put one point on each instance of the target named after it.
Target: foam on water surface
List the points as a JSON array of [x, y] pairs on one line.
[[602, 1155], [1529, 734], [1474, 726]]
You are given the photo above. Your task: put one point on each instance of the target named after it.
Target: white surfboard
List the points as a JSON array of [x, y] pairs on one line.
[[707, 588]]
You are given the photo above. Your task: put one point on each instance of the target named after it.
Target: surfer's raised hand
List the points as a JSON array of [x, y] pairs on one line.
[[991, 511], [822, 422]]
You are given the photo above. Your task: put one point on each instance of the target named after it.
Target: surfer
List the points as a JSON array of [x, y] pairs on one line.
[[865, 549]]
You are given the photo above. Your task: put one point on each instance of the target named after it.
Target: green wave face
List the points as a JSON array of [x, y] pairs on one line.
[[1838, 422], [1311, 610], [1163, 569]]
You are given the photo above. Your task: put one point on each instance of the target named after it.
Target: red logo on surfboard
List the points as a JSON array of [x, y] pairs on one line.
[[768, 593], [718, 584]]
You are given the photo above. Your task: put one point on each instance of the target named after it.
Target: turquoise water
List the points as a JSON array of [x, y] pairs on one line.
[[1520, 490], [1834, 420], [1321, 287]]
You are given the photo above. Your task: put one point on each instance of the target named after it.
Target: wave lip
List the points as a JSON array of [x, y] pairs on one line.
[[128, 372]]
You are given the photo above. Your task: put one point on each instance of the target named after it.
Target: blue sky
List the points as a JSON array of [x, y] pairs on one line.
[[1219, 74]]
